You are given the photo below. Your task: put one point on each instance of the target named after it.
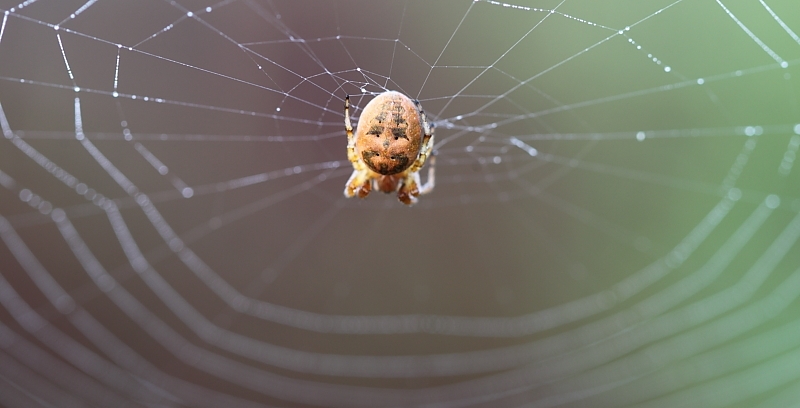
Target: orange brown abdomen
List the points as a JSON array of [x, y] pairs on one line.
[[389, 134]]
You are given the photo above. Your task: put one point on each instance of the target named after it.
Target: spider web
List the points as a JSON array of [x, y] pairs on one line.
[[614, 223]]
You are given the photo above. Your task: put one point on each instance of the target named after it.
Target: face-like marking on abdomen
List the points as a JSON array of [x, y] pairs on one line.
[[385, 163]]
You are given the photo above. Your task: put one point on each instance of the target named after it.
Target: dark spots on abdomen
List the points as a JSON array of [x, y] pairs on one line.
[[401, 161], [398, 132], [367, 155]]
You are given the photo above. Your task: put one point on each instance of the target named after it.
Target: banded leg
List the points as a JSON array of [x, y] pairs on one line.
[[348, 127], [431, 181], [427, 141], [359, 183]]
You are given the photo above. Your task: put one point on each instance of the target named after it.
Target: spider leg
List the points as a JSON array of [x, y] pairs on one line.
[[425, 152], [348, 127], [412, 187], [431, 181], [426, 129], [408, 191], [360, 181], [427, 141]]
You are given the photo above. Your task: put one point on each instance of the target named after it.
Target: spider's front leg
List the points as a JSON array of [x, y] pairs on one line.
[[413, 187], [360, 183], [348, 127], [409, 190]]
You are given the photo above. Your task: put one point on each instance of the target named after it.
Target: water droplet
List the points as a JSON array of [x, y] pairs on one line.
[[772, 201], [25, 195]]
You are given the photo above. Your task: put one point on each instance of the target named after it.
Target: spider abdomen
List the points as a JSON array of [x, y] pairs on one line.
[[389, 133]]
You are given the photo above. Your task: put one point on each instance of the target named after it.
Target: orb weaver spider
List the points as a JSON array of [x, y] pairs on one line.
[[391, 144]]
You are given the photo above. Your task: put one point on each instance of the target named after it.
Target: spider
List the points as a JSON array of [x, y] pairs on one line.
[[389, 147]]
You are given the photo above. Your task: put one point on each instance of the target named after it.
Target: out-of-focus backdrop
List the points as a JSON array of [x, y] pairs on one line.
[[615, 220]]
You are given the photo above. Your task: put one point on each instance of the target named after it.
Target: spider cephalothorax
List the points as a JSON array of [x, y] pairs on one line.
[[391, 144]]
